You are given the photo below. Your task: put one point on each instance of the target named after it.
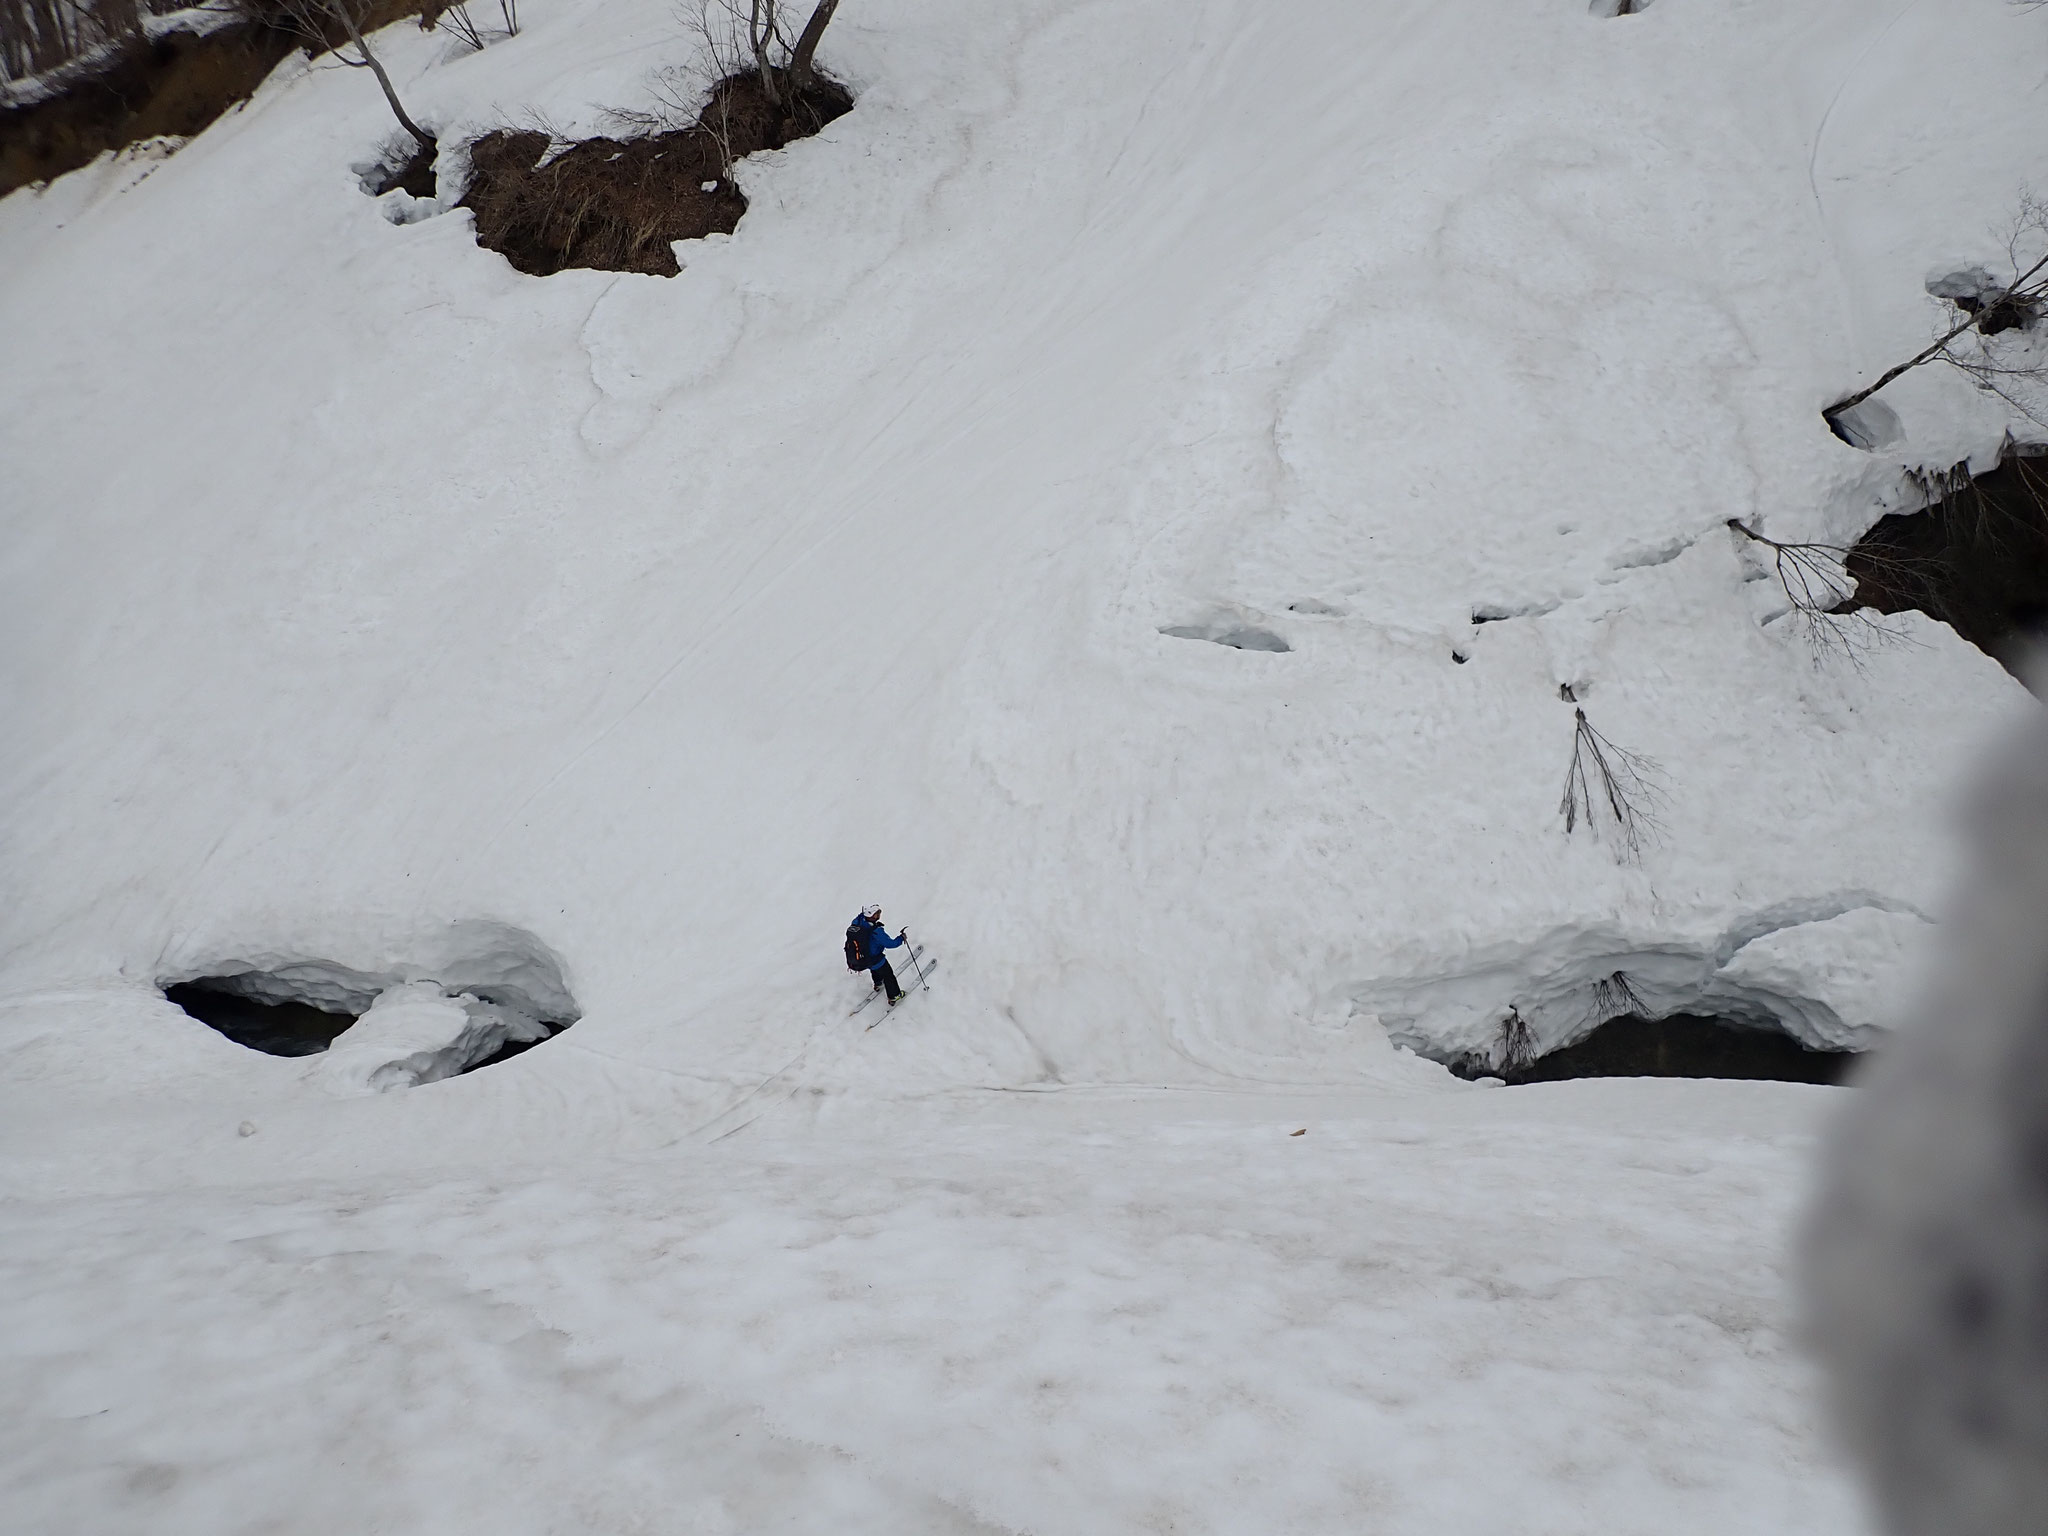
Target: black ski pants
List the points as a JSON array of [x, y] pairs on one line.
[[885, 976]]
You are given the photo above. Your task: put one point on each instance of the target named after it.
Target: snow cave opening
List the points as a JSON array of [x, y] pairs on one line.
[[1676, 1045], [485, 993], [282, 1028]]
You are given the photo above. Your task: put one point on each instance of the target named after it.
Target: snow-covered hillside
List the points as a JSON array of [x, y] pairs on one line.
[[361, 595]]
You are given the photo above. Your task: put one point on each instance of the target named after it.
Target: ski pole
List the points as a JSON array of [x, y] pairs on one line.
[[911, 949]]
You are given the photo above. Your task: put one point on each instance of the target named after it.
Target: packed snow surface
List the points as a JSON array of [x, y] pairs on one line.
[[1553, 1310], [1142, 497]]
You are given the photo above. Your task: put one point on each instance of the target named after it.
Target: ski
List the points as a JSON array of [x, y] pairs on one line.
[[915, 986], [915, 949]]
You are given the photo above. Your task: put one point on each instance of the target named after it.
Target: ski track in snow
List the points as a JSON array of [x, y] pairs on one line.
[[356, 586]]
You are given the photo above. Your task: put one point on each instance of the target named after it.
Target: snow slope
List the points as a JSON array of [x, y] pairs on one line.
[[358, 581], [358, 589]]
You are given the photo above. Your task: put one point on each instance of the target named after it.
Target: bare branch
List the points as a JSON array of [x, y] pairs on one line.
[[456, 19], [2016, 305], [1819, 588], [1607, 784]]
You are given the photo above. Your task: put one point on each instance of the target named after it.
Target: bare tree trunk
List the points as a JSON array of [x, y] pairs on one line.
[[47, 48], [14, 40], [807, 46], [760, 34], [341, 9], [116, 18]]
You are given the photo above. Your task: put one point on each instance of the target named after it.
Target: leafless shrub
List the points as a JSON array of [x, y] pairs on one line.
[[1606, 784], [752, 36], [1817, 584], [717, 27], [1514, 1048], [743, 44], [1615, 996], [1991, 331]]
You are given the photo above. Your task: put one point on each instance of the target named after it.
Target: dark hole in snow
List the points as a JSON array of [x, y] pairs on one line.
[[411, 173], [1460, 657], [294, 1027], [474, 992], [1239, 637], [1869, 426], [618, 205], [277, 1029], [1984, 298], [1975, 558], [1680, 1045]]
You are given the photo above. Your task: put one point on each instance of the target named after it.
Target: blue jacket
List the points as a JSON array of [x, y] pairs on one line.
[[875, 944]]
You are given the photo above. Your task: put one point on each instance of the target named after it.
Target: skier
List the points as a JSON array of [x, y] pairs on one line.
[[867, 943]]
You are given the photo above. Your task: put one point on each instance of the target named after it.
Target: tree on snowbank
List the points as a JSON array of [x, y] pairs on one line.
[[317, 20], [751, 39], [785, 81]]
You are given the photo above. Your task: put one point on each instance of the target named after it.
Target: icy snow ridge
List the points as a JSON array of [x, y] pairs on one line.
[[495, 959], [1831, 982]]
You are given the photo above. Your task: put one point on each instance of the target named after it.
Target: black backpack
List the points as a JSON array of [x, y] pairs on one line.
[[857, 944]]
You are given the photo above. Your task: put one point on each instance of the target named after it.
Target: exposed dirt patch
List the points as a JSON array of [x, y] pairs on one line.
[[1976, 558], [618, 204], [1683, 1045], [172, 87]]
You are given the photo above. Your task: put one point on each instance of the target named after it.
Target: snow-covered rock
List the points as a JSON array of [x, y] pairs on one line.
[[414, 1033]]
